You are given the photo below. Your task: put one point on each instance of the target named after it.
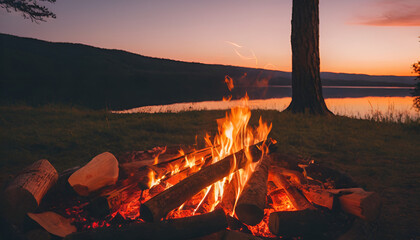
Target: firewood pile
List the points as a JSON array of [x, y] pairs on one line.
[[110, 199], [237, 187]]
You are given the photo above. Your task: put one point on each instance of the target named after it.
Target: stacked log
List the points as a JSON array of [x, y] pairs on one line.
[[159, 206], [29, 188]]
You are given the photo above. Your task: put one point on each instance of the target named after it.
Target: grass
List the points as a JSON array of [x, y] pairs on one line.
[[380, 156]]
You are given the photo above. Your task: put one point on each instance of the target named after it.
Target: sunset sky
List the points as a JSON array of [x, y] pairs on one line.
[[378, 37]]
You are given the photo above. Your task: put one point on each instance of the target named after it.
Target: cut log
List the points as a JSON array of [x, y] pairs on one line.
[[319, 197], [305, 223], [53, 223], [356, 201], [159, 206], [182, 228], [297, 199], [101, 171], [251, 203], [25, 192]]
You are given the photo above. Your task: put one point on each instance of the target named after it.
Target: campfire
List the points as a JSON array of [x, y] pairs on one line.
[[233, 187]]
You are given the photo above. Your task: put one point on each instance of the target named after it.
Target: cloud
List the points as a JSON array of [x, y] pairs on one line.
[[391, 13]]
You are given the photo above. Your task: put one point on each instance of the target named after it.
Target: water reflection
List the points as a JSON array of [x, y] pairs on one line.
[[328, 91], [363, 107]]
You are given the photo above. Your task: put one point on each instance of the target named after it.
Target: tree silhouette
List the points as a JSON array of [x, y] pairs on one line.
[[306, 80], [416, 91], [30, 9]]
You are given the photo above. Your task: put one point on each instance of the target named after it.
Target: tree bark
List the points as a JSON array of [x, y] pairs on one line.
[[26, 191], [306, 81]]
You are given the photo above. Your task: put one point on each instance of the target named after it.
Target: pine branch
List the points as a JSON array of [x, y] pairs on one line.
[[30, 9]]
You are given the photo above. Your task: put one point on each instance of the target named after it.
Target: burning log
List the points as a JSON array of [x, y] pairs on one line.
[[159, 206], [53, 223], [295, 176], [182, 228], [251, 203], [229, 195], [305, 223], [142, 172], [101, 171], [356, 201], [25, 192], [166, 163], [298, 201]]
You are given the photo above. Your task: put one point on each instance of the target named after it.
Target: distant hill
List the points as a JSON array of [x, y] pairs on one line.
[[39, 72]]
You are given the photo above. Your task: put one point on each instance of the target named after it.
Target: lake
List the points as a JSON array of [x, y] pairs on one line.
[[354, 101]]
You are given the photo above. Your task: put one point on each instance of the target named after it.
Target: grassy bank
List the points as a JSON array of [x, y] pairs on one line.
[[383, 157]]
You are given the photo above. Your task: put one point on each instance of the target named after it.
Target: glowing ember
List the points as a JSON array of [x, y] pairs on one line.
[[234, 135]]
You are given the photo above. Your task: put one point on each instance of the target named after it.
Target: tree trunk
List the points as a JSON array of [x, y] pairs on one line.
[[306, 81]]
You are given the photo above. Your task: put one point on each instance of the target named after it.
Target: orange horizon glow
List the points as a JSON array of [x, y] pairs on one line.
[[374, 37], [378, 70]]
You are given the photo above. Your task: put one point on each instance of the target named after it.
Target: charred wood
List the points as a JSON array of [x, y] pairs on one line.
[[229, 235], [297, 199], [229, 195], [251, 203], [305, 223], [183, 228]]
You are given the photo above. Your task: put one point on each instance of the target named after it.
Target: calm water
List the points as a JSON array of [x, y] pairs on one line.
[[330, 92], [359, 102]]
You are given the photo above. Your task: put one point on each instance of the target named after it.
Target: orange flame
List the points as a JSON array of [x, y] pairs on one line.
[[227, 99], [157, 156], [234, 134], [229, 82]]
